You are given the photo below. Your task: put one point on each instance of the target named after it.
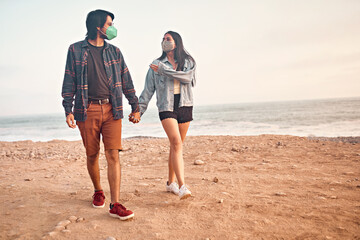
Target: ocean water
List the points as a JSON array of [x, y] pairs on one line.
[[322, 118]]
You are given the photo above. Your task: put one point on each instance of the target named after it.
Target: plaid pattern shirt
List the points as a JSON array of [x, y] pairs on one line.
[[75, 83]]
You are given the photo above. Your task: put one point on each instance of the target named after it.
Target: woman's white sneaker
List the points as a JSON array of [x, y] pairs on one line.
[[184, 192], [173, 187]]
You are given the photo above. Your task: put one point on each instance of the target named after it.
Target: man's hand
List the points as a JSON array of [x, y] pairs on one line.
[[134, 117], [70, 121]]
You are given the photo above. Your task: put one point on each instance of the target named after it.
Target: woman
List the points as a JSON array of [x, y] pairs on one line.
[[172, 76]]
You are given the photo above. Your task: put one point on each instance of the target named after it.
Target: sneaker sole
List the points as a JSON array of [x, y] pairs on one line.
[[185, 196], [172, 192], [99, 206], [122, 218]]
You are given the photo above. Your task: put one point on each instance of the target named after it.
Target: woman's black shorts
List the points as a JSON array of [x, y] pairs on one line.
[[182, 114]]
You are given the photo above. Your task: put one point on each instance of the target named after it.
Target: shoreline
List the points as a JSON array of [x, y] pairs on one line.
[[344, 139]]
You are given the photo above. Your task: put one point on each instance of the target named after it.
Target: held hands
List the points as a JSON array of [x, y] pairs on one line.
[[134, 117], [70, 121]]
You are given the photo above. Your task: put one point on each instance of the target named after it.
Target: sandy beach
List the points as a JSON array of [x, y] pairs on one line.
[[251, 187]]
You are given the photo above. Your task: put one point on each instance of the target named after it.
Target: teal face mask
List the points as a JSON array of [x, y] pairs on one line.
[[111, 32]]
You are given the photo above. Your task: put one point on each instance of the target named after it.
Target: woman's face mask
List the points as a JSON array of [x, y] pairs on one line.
[[167, 46]]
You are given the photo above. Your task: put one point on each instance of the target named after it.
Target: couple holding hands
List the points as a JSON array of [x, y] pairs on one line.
[[96, 77]]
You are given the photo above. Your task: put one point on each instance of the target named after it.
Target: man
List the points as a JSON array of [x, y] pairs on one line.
[[96, 76]]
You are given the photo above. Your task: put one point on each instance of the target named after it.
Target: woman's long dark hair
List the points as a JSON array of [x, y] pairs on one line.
[[180, 54]]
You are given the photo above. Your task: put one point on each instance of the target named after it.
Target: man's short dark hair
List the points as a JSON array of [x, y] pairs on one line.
[[96, 19]]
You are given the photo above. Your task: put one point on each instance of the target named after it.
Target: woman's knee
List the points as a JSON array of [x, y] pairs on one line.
[[176, 143]]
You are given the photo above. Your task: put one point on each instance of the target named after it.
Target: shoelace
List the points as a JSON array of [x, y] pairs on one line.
[[173, 185], [186, 188], [120, 206]]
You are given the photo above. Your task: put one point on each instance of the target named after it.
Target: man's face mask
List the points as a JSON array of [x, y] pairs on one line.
[[111, 32]]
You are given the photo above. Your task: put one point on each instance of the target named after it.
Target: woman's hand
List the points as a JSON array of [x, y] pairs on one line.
[[154, 67]]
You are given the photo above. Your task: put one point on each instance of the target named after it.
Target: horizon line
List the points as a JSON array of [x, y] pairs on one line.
[[203, 105]]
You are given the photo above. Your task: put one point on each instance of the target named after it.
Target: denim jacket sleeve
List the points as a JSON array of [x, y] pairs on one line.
[[187, 76], [69, 83], [148, 91]]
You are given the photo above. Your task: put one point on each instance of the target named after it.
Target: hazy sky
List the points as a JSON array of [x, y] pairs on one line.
[[246, 51]]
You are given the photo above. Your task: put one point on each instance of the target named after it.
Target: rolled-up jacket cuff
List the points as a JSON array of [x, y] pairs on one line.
[[161, 68]]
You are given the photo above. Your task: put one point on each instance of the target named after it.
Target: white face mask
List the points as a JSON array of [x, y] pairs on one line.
[[167, 46]]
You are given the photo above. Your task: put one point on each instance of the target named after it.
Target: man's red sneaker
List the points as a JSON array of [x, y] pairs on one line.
[[98, 199], [119, 211]]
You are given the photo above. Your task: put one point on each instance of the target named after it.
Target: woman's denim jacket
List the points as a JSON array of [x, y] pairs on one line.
[[163, 83]]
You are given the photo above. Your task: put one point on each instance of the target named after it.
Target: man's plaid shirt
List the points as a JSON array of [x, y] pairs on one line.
[[75, 80]]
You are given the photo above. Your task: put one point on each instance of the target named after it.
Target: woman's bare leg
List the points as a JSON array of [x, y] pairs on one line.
[[183, 128], [171, 128], [171, 170]]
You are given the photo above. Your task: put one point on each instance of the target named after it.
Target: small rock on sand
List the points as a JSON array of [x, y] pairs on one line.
[[80, 219], [72, 219], [199, 162], [137, 193], [59, 228], [52, 234], [215, 180], [235, 149], [110, 238], [64, 223], [280, 194]]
